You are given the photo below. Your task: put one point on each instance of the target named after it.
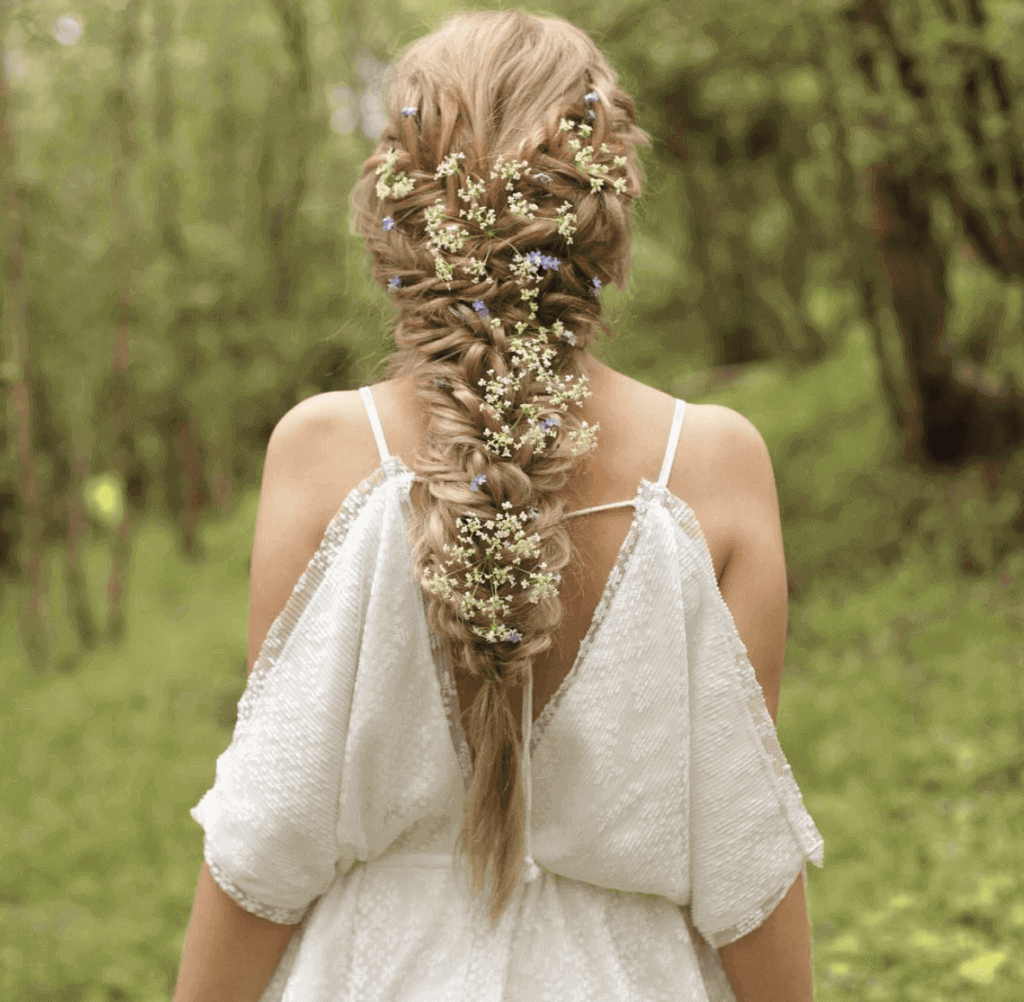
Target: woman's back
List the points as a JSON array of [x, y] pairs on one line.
[[635, 421], [454, 528], [658, 782]]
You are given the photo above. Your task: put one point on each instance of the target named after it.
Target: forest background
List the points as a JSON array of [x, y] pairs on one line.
[[831, 241]]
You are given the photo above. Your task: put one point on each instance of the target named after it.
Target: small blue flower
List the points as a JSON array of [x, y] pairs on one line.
[[591, 97], [551, 263], [406, 112], [597, 285], [590, 114], [387, 224], [550, 422], [514, 637], [395, 282], [481, 309], [477, 481]]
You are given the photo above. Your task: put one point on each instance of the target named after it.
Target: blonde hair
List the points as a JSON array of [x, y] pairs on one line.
[[496, 83]]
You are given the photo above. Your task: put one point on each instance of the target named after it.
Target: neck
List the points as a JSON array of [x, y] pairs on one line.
[[598, 375]]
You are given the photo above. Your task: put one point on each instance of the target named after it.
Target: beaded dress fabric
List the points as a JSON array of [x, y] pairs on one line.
[[664, 819]]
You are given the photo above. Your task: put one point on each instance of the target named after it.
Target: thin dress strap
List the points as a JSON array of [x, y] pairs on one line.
[[666, 466], [600, 507], [371, 413], [673, 439]]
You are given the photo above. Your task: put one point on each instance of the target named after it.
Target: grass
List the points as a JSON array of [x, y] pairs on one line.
[[901, 714]]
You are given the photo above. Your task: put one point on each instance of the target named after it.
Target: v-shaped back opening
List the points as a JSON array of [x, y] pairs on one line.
[[533, 730], [648, 493], [668, 459]]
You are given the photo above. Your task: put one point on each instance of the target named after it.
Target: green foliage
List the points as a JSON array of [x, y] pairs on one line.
[[848, 500], [100, 856]]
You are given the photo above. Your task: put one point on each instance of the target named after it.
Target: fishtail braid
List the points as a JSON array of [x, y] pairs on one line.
[[487, 183]]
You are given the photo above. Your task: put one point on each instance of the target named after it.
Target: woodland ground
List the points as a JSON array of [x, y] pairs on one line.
[[901, 715]]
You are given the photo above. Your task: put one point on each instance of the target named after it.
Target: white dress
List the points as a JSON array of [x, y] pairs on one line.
[[663, 817]]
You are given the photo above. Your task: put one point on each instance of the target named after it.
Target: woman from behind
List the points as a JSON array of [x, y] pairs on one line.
[[495, 208]]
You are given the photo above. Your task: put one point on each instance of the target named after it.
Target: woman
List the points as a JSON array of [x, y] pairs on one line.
[[426, 605]]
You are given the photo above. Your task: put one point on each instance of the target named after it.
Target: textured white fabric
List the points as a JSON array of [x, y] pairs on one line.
[[665, 820]]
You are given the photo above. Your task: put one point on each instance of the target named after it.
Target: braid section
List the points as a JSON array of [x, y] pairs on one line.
[[494, 225]]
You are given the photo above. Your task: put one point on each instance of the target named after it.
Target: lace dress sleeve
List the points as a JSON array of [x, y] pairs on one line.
[[270, 819], [750, 835]]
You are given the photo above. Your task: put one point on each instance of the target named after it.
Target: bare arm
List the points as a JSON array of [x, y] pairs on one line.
[[230, 954], [773, 962]]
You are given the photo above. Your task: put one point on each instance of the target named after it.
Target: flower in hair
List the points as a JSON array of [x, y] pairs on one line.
[[597, 285], [387, 223], [406, 112], [448, 165], [551, 263], [481, 309], [510, 170], [519, 206], [506, 544], [393, 185], [477, 481], [558, 329], [394, 282], [566, 221]]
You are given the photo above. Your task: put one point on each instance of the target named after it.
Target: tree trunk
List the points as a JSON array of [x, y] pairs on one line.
[[124, 153], [221, 479], [190, 463], [15, 328], [79, 603], [168, 200], [283, 214], [957, 417]]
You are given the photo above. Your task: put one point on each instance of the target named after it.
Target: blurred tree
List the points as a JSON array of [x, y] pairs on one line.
[[185, 479], [16, 340], [79, 602], [123, 112], [284, 158], [939, 71]]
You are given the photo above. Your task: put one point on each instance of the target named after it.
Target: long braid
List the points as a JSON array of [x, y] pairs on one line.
[[467, 361]]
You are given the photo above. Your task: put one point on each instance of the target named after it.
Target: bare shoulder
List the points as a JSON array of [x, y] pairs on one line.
[[736, 449], [317, 453], [312, 423], [754, 582]]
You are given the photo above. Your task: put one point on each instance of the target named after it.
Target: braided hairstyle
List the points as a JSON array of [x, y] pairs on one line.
[[493, 85]]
